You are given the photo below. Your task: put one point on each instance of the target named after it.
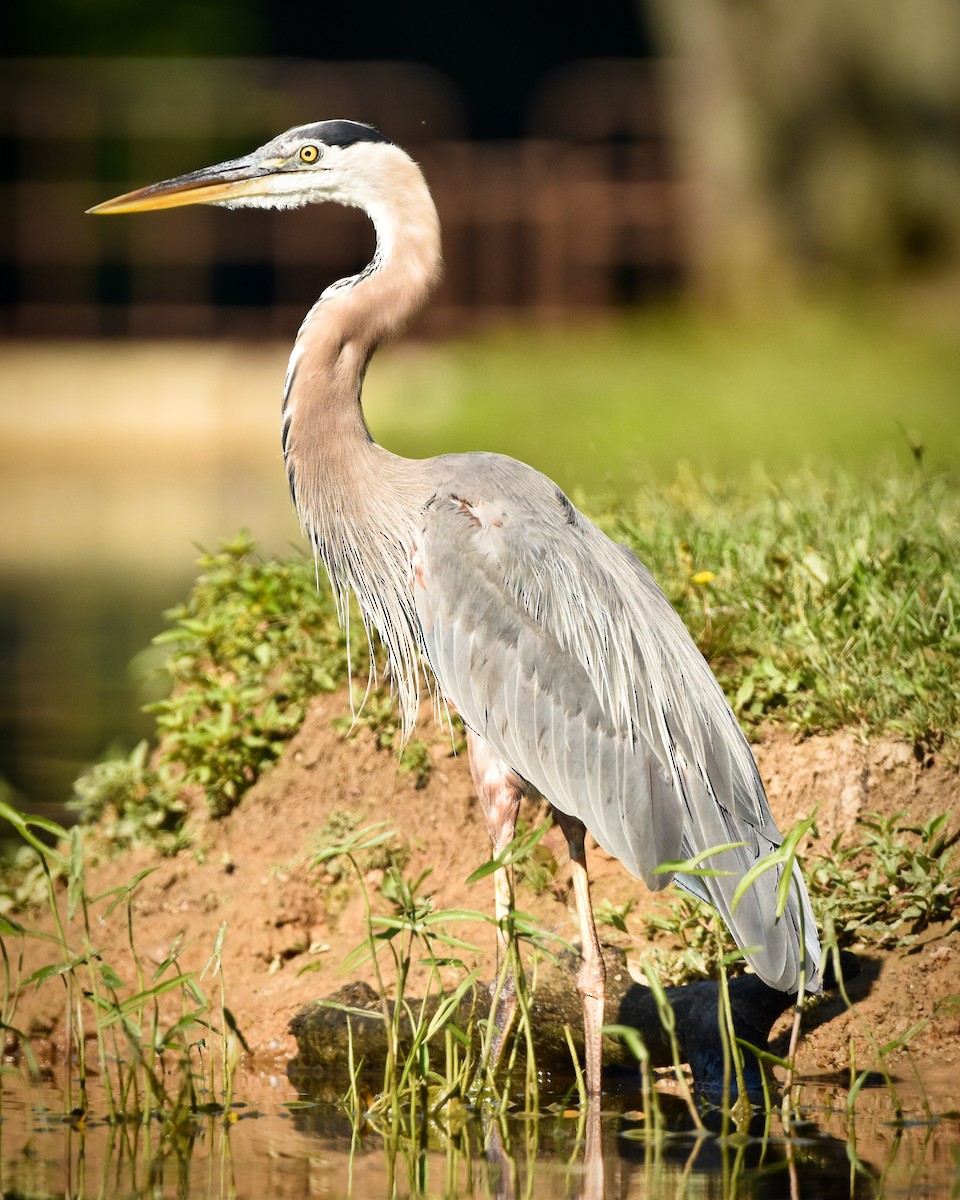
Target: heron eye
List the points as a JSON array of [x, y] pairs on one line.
[[309, 154]]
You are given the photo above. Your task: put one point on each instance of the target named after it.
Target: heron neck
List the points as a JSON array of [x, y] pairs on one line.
[[325, 436], [356, 501]]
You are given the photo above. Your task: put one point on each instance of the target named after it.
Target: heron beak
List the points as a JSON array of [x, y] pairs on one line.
[[226, 181]]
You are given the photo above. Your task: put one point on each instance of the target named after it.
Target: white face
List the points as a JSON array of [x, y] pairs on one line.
[[301, 169], [296, 168]]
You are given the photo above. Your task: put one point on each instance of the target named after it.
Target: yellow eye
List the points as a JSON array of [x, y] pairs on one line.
[[309, 154]]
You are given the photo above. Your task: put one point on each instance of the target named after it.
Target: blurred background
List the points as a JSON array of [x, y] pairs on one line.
[[675, 231]]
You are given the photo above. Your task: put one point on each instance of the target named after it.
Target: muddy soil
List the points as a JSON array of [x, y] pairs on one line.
[[253, 870]]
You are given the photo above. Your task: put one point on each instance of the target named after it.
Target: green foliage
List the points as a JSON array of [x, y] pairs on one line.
[[819, 602], [381, 854], [537, 867], [429, 1058], [614, 915], [156, 1059], [704, 941], [882, 885], [415, 760], [249, 647], [131, 802], [374, 712], [435, 1067], [890, 883], [253, 642]]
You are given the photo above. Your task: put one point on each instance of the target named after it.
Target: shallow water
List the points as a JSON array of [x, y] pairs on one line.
[[278, 1143]]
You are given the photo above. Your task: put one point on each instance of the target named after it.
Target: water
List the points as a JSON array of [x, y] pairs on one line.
[[278, 1143], [108, 490]]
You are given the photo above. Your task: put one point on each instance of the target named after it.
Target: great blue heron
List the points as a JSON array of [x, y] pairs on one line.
[[573, 674]]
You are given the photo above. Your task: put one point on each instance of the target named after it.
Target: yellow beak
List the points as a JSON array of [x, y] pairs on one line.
[[225, 181]]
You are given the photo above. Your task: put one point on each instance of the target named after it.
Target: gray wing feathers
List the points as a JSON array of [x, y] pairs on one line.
[[558, 648]]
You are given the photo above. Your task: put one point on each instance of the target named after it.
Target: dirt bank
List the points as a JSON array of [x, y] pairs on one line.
[[252, 870]]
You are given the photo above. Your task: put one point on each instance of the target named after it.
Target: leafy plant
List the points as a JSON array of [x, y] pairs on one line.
[[414, 759], [614, 915], [821, 601], [703, 937], [250, 646], [887, 886], [131, 802], [151, 1062], [375, 712], [380, 854], [537, 866]]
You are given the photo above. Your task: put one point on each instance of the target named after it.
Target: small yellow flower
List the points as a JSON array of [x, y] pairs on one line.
[[703, 577]]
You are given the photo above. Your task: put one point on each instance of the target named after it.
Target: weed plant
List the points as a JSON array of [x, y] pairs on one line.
[[439, 1059], [133, 802], [163, 1049], [889, 884], [249, 648], [882, 886]]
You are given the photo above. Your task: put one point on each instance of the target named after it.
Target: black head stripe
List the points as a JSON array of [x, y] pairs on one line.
[[341, 133]]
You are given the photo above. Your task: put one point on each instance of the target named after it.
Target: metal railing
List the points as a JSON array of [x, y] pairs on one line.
[[577, 218]]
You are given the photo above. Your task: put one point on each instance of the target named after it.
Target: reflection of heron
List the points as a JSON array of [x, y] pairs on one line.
[[572, 672]]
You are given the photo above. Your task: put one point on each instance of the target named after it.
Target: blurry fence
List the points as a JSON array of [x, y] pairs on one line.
[[579, 216]]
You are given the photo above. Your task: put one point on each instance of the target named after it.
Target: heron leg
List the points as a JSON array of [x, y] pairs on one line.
[[592, 976], [499, 789]]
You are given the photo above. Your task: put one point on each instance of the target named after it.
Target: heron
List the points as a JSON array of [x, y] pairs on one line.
[[573, 674]]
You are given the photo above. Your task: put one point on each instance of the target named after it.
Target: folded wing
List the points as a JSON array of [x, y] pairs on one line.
[[557, 647]]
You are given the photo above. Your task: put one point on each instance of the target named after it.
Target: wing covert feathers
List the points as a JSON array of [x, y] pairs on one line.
[[558, 648]]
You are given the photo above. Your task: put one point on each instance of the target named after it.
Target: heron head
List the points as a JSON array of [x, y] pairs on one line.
[[329, 160]]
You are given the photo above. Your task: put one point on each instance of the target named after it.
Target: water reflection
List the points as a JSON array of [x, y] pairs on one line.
[[280, 1144]]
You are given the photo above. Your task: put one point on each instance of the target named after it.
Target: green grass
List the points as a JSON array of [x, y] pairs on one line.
[[251, 645], [847, 384], [822, 601]]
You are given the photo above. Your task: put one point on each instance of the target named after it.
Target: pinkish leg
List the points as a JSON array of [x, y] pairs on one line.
[[499, 789], [592, 976]]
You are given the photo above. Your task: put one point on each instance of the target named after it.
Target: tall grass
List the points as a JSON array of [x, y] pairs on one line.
[[162, 1047], [820, 601], [438, 1058]]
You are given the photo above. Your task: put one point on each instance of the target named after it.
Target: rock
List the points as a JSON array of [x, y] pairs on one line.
[[320, 1028]]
